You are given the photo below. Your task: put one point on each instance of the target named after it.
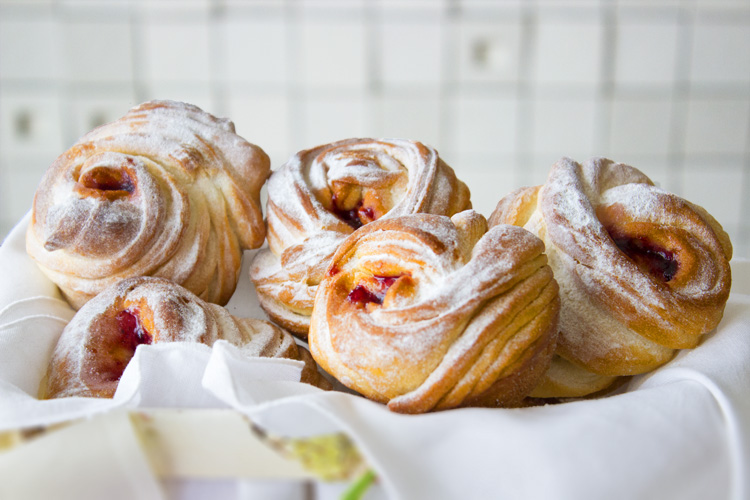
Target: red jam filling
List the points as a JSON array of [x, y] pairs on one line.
[[656, 260], [105, 179], [356, 217], [368, 212], [374, 292], [132, 334]]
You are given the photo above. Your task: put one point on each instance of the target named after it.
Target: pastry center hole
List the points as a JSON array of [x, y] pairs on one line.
[[108, 179], [355, 217]]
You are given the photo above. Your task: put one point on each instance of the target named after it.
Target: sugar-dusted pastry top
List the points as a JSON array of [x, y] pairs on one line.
[[642, 272], [102, 337], [167, 190], [322, 195], [426, 312]]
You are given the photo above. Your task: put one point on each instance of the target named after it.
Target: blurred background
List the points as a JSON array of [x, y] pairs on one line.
[[501, 88]]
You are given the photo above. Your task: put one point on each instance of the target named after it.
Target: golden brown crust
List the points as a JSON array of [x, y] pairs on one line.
[[423, 313], [566, 380], [642, 272], [102, 337], [167, 190], [318, 198]]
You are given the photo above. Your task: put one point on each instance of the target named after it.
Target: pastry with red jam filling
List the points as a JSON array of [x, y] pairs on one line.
[[167, 190], [101, 339], [322, 195], [424, 312], [642, 272]]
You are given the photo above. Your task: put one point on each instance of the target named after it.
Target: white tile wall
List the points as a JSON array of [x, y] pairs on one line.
[[255, 50], [646, 52], [195, 93], [263, 120], [31, 48], [567, 51], [565, 126], [501, 88], [640, 126], [333, 54], [718, 188], [485, 124], [411, 54], [495, 182], [165, 8], [717, 126], [325, 7], [330, 118], [658, 168], [86, 109], [30, 122], [489, 52], [720, 53], [176, 52], [412, 8], [23, 183], [416, 116], [97, 52]]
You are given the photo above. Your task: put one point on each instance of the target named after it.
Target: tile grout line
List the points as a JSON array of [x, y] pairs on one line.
[[524, 98], [606, 87], [67, 91], [681, 93]]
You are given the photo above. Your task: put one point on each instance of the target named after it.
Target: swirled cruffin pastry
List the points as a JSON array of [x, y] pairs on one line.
[[425, 312], [642, 272], [167, 190], [322, 195], [101, 339]]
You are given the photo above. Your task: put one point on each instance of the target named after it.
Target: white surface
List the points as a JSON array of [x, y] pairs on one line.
[[681, 432], [411, 54], [97, 52], [333, 55], [178, 52], [716, 126], [108, 452], [267, 66], [645, 53], [713, 45], [640, 126], [293, 74], [556, 41], [41, 57]]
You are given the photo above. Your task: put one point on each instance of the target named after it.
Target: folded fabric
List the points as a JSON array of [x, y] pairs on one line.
[[682, 431], [106, 462]]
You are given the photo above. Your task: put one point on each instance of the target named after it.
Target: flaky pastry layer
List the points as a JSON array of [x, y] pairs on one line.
[[322, 195], [425, 312], [642, 272], [167, 190], [99, 342]]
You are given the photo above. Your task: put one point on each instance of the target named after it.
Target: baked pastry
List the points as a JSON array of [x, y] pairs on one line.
[[167, 190], [425, 312], [322, 195], [642, 272], [102, 337]]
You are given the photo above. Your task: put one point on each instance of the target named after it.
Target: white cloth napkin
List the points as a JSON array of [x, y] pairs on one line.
[[681, 432]]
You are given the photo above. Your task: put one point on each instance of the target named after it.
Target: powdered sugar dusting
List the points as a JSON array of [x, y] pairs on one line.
[[392, 177], [613, 309], [171, 313], [86, 237], [409, 344]]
